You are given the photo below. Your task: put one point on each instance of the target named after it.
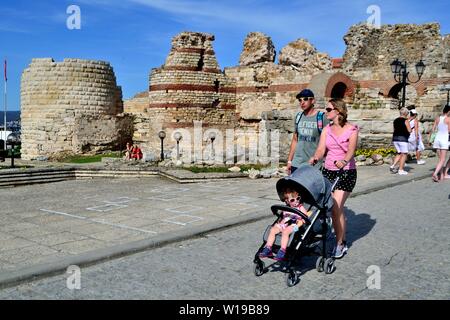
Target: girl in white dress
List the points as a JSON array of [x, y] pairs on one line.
[[442, 126], [415, 143]]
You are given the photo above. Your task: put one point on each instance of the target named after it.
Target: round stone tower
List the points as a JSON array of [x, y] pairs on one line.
[[189, 87], [69, 106]]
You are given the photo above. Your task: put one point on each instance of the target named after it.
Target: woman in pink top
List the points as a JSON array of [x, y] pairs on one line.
[[338, 141]]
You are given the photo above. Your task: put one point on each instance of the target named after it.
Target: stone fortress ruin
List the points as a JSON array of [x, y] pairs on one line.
[[71, 107], [76, 106]]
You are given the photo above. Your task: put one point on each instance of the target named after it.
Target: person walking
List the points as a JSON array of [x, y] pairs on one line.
[[442, 126], [309, 123], [415, 143], [338, 144], [400, 137]]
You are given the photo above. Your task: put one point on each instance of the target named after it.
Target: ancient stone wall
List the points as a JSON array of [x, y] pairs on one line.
[[258, 47], [265, 86], [376, 48], [137, 103], [305, 57], [260, 94], [363, 78], [188, 87], [69, 106], [367, 60]]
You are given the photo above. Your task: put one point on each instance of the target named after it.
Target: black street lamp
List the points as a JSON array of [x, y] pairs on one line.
[[212, 136], [13, 139], [178, 137], [401, 75], [162, 135]]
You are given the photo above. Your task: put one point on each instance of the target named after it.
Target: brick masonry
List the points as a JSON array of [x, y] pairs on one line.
[[70, 107], [190, 87]]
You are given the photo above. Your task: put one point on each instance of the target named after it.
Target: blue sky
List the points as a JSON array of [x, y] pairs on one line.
[[134, 35]]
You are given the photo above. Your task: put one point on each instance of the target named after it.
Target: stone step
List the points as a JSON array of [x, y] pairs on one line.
[[13, 183], [15, 174], [80, 174], [11, 178]]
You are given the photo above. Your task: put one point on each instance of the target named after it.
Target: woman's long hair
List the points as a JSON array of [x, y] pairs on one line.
[[446, 109], [341, 108]]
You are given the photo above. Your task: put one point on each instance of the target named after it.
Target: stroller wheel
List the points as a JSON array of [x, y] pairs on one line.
[[292, 278], [258, 268], [320, 264], [329, 266]]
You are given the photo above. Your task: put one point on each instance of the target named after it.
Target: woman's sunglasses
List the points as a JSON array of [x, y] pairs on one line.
[[329, 109]]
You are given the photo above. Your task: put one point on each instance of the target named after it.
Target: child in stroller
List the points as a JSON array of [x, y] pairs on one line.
[[288, 223], [313, 228]]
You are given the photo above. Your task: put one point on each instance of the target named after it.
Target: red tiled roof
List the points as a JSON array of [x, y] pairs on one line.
[[337, 62]]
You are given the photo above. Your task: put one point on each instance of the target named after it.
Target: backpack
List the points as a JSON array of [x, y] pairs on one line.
[[319, 118]]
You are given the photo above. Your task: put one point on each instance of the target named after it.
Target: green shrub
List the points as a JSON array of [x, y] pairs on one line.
[[381, 151], [8, 153]]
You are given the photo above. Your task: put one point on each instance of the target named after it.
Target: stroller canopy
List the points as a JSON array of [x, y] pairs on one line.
[[312, 186]]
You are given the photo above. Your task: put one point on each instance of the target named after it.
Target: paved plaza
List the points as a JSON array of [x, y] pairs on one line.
[[393, 234], [47, 227]]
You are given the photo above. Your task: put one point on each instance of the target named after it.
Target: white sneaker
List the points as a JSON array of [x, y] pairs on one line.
[[421, 161], [402, 172]]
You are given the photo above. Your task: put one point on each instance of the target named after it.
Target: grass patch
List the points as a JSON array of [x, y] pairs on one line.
[[90, 159], [207, 169]]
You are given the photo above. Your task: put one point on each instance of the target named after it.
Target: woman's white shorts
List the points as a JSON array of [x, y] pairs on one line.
[[440, 143], [401, 147]]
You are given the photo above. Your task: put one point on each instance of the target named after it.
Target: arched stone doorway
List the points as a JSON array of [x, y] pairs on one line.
[[332, 85], [411, 96], [340, 86], [338, 91], [395, 91]]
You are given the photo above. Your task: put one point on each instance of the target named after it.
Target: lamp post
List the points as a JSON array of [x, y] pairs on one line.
[[13, 139], [401, 75], [445, 87], [212, 136], [162, 135], [178, 137]]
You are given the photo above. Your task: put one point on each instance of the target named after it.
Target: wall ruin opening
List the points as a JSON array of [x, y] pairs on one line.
[[338, 91], [395, 91]]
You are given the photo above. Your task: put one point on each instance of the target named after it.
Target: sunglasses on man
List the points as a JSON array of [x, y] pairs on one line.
[[305, 99]]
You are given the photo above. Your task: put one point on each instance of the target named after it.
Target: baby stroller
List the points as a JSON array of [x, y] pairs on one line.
[[315, 191]]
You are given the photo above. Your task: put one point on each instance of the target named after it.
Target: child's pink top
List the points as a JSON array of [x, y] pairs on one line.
[[337, 147], [292, 216]]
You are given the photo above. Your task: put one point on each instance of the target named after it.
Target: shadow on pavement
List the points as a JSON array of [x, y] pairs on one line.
[[358, 225]]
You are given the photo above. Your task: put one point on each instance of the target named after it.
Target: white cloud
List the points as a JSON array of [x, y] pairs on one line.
[[230, 14]]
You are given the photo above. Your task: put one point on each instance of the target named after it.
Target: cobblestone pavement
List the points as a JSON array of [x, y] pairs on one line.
[[400, 230], [44, 225], [52, 221]]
